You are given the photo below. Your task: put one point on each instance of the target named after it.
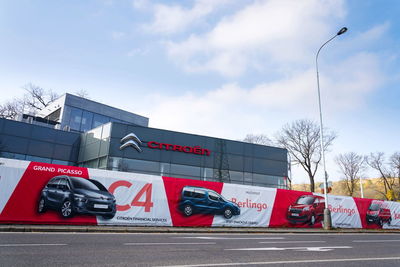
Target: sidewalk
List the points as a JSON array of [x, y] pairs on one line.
[[149, 229]]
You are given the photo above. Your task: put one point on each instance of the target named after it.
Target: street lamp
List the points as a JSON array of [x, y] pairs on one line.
[[361, 188], [327, 213]]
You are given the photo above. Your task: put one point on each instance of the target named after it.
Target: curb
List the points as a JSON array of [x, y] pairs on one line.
[[148, 229]]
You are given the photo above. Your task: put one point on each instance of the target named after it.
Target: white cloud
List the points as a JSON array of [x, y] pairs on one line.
[[278, 38], [374, 33], [138, 51], [232, 111], [170, 19], [271, 31], [118, 35], [140, 4], [218, 112], [346, 84]]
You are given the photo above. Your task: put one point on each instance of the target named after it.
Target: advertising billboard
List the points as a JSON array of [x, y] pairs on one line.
[[40, 193]]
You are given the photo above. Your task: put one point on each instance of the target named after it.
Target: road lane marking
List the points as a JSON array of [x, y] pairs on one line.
[[284, 262], [289, 242], [290, 248], [30, 245], [150, 244], [233, 238], [375, 241]]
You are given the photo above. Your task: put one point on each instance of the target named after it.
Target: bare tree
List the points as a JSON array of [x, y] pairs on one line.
[[82, 93], [351, 165], [38, 98], [395, 164], [377, 162], [35, 99], [302, 139], [11, 108], [260, 139]]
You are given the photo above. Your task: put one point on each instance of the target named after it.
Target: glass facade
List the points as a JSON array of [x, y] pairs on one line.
[[19, 140], [80, 120], [35, 158], [228, 161], [94, 147], [99, 146], [192, 172]]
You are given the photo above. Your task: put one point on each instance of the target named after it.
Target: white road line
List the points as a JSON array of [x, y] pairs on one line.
[[375, 241], [30, 245], [284, 262], [289, 242], [233, 238], [155, 244], [319, 249]]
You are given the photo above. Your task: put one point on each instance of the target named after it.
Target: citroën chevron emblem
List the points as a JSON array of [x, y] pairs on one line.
[[131, 140]]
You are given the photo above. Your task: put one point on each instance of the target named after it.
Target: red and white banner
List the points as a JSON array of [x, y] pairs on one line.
[[40, 193]]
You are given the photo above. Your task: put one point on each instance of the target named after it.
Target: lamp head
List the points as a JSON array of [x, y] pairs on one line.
[[342, 30]]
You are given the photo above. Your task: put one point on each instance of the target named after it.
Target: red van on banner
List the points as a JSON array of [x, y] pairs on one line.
[[307, 209], [378, 213], [41, 193]]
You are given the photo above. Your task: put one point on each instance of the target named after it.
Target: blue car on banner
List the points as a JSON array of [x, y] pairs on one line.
[[203, 200]]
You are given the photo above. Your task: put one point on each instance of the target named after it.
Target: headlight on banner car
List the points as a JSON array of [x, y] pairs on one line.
[[306, 208], [80, 198], [290, 207]]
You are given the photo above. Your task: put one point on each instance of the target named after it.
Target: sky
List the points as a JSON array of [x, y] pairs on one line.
[[218, 68]]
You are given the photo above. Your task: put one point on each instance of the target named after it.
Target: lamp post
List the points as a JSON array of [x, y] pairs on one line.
[[361, 188], [327, 213]]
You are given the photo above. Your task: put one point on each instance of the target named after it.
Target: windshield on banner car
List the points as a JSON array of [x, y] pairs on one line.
[[305, 200]]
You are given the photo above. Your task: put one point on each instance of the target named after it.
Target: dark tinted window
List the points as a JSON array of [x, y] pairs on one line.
[[76, 118], [188, 193], [99, 185], [374, 207], [99, 120], [305, 200], [213, 196], [87, 119], [199, 194], [62, 184], [82, 183], [53, 183]]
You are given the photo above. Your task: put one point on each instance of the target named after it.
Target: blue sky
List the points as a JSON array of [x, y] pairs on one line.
[[219, 68]]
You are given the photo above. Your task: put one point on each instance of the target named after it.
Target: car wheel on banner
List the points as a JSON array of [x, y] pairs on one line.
[[42, 205], [66, 209], [228, 213], [312, 220], [188, 210]]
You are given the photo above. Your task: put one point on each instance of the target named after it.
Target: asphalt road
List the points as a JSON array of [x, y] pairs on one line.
[[208, 249]]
